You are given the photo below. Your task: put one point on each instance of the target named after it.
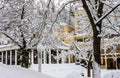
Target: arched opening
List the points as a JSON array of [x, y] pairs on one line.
[[118, 63], [111, 64]]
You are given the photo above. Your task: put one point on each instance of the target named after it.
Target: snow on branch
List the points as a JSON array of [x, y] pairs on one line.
[[60, 10], [107, 13]]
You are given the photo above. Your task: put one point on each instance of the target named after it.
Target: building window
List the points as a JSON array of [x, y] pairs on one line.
[[79, 40]]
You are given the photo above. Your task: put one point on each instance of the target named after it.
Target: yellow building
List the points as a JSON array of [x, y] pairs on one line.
[[65, 33], [107, 60]]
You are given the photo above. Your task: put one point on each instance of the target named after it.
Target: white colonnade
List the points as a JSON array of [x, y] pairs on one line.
[[7, 57], [10, 57], [47, 56]]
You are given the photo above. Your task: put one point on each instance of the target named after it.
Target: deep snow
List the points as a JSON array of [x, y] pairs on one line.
[[10, 71], [52, 71], [61, 70], [72, 71]]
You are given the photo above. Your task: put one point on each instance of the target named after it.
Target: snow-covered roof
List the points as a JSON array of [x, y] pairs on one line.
[[3, 46], [82, 35], [8, 47], [49, 42]]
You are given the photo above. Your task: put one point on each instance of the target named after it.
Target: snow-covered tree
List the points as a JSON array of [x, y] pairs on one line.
[[97, 11], [54, 14], [18, 23], [24, 22]]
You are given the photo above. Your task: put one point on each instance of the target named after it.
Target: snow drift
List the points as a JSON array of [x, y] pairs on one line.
[[19, 72]]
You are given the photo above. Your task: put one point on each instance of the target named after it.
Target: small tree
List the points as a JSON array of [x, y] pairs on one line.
[[19, 25], [84, 50]]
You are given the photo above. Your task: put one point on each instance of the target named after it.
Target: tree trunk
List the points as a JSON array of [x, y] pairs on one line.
[[96, 55], [88, 69], [97, 44], [96, 39]]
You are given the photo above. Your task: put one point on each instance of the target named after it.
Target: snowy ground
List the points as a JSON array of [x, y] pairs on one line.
[[7, 71], [62, 70], [72, 71], [111, 73], [51, 71]]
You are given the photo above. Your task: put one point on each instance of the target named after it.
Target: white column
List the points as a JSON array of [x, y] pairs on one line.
[[39, 61], [2, 57], [69, 56], [41, 57], [49, 56], [32, 57], [10, 57], [6, 57], [105, 59], [44, 57], [15, 57], [29, 57], [57, 57], [62, 56], [116, 59]]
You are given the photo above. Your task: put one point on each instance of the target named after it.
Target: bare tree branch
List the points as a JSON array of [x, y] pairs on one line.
[[107, 13]]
